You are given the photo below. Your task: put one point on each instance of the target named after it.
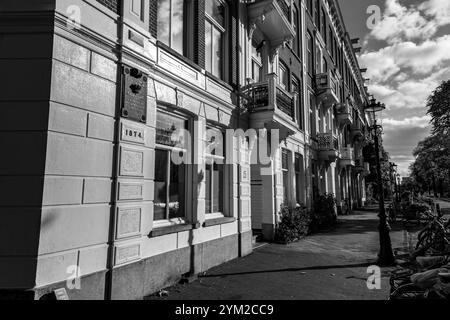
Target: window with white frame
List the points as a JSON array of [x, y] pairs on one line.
[[298, 165], [173, 25], [215, 28], [297, 28], [256, 67], [170, 178], [283, 75], [309, 49], [285, 157], [214, 171], [297, 88]]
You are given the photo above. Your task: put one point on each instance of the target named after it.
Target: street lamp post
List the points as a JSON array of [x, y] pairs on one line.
[[386, 254], [397, 178]]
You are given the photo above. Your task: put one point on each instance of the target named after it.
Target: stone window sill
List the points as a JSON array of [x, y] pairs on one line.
[[217, 221], [171, 229]]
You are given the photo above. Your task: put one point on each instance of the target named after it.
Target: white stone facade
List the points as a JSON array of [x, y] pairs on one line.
[[79, 185]]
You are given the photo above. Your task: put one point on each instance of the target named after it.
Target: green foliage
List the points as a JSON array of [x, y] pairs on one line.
[[438, 108], [324, 214], [431, 168], [411, 211], [294, 224]]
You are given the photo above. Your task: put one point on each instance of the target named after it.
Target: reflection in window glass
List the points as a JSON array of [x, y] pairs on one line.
[[160, 189], [217, 53], [215, 9], [214, 172], [177, 25], [208, 46], [168, 130], [283, 76], [169, 189], [170, 24], [214, 31], [256, 63], [176, 191]]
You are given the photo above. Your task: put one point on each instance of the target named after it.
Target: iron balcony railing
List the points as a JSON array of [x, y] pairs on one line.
[[344, 109], [327, 141], [285, 102], [269, 95]]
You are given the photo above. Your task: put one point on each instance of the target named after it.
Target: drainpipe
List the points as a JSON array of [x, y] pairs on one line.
[[115, 165], [238, 87]]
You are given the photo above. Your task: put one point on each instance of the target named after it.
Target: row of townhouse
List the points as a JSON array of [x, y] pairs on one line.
[[112, 93]]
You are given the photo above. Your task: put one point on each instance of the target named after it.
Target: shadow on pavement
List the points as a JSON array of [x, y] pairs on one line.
[[340, 266]]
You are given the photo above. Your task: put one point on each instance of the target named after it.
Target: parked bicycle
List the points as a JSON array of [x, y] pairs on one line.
[[427, 274]]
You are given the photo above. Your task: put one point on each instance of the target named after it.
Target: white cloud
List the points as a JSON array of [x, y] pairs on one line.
[[418, 59], [420, 122], [400, 22], [404, 73], [439, 10]]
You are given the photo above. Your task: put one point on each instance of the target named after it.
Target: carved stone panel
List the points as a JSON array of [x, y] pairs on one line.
[[128, 222], [131, 162], [130, 191], [127, 253]]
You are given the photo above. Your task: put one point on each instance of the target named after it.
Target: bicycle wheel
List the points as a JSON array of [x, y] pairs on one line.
[[407, 291]]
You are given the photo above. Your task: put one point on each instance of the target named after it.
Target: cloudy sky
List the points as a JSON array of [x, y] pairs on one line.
[[407, 53]]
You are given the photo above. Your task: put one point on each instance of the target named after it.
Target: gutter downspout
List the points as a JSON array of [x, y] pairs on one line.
[[238, 85], [115, 164]]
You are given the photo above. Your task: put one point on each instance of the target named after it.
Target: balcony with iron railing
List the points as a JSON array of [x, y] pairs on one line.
[[327, 89], [328, 146], [344, 114], [357, 129], [273, 18], [270, 106], [347, 157]]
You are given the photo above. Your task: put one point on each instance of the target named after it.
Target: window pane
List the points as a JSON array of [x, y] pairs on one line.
[[256, 72], [208, 46], [284, 160], [297, 31], [164, 21], [286, 186], [283, 76], [160, 194], [217, 53], [166, 125], [208, 189], [177, 26], [176, 190], [216, 10], [217, 188]]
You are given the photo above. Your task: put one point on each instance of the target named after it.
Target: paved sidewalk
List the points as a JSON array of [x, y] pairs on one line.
[[330, 265]]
